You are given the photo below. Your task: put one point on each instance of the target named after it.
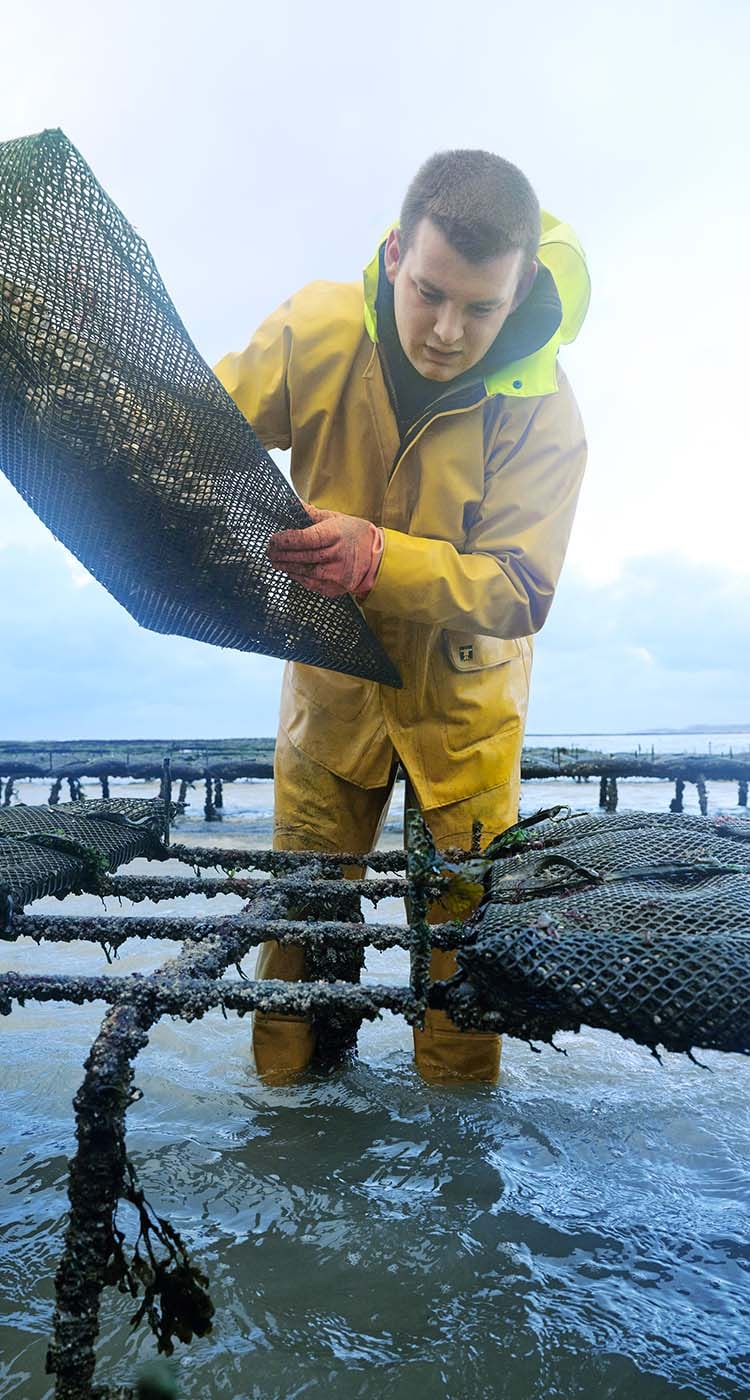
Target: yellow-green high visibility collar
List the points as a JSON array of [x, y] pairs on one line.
[[371, 278], [561, 252], [529, 378]]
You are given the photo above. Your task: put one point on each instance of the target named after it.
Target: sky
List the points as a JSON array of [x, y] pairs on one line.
[[259, 147]]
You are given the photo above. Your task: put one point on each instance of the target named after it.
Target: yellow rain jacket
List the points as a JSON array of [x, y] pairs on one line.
[[477, 502]]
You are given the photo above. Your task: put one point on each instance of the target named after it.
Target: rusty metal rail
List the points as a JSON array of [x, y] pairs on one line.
[[294, 897]]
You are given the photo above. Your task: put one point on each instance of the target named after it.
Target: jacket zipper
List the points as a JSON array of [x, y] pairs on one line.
[[417, 429]]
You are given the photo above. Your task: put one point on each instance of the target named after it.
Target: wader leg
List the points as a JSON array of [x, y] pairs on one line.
[[314, 810], [444, 1054]]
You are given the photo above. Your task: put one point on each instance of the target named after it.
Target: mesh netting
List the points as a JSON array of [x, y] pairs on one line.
[[66, 849], [637, 923], [124, 443]]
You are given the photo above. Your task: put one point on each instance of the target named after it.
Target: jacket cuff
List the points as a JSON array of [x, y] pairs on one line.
[[367, 582], [412, 578]]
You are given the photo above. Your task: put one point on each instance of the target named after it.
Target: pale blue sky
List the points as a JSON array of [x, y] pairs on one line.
[[258, 147]]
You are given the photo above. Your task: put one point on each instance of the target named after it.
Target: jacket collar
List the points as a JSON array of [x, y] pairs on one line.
[[552, 315]]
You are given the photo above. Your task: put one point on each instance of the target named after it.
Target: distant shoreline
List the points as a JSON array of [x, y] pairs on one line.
[[635, 733]]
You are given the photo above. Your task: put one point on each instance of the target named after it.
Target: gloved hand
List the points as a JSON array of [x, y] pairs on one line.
[[338, 554]]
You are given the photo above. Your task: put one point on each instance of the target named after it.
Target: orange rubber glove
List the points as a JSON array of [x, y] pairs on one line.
[[338, 554]]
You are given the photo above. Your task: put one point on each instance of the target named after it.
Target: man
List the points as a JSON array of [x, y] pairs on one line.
[[441, 452]]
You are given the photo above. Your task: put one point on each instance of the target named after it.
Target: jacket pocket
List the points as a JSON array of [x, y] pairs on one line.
[[481, 689], [473, 652]]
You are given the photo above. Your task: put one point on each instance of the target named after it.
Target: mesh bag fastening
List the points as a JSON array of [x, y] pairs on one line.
[[638, 923], [123, 442], [65, 849]]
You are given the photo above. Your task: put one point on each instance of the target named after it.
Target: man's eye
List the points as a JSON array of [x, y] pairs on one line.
[[428, 296], [482, 310]]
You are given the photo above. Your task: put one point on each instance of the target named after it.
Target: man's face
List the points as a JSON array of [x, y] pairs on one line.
[[448, 310]]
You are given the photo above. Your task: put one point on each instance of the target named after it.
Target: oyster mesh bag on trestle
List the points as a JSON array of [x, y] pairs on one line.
[[637, 923], [69, 848], [123, 442]]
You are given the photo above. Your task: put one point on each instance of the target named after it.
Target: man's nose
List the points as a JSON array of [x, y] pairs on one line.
[[449, 326]]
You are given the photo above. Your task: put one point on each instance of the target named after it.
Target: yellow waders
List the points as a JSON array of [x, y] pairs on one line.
[[317, 811]]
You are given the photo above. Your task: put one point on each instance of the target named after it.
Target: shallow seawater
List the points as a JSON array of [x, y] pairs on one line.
[[582, 1231]]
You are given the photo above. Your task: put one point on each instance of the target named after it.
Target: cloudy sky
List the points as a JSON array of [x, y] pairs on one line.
[[258, 147]]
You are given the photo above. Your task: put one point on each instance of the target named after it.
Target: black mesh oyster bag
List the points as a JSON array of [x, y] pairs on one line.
[[124, 443], [637, 923], [69, 848]]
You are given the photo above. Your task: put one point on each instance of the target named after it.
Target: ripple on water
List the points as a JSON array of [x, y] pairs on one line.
[[367, 1235]]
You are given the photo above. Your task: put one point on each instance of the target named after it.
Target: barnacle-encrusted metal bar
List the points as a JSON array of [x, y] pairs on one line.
[[113, 932], [420, 869], [107, 928], [294, 897], [191, 997], [95, 1187], [138, 887], [284, 862]]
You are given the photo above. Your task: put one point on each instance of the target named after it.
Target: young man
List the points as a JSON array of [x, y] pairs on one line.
[[441, 452]]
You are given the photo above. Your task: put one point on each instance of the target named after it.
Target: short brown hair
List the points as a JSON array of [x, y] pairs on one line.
[[481, 203]]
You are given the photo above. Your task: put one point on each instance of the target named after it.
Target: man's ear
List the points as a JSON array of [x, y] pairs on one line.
[[528, 278], [392, 255]]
